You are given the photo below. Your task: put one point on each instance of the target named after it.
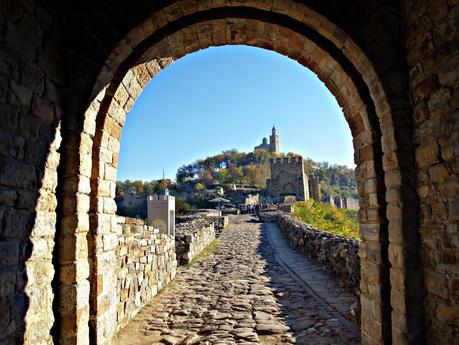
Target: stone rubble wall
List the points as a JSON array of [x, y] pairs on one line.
[[201, 212], [194, 233], [338, 254], [206, 215], [145, 262]]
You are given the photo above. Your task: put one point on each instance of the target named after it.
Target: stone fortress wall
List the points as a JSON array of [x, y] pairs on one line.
[[145, 262], [313, 186], [196, 232], [338, 254], [288, 178]]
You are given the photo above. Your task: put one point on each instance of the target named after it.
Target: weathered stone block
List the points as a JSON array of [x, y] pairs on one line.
[[16, 174], [427, 154], [9, 253]]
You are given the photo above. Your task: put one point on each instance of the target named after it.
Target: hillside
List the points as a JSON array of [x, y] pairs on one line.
[[253, 169], [328, 218], [196, 181]]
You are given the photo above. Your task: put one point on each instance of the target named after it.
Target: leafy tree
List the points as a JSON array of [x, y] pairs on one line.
[[181, 206], [162, 185], [200, 186], [255, 174], [149, 187], [205, 175], [236, 173], [137, 186], [261, 155], [120, 190], [224, 176], [186, 172]]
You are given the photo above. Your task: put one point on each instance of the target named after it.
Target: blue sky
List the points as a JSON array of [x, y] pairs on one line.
[[229, 97]]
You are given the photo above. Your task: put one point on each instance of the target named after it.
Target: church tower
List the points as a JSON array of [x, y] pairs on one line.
[[274, 144]]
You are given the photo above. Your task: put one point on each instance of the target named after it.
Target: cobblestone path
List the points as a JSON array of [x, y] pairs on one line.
[[238, 294]]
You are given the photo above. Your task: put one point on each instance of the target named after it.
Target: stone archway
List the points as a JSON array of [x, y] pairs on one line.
[[314, 43], [70, 73], [288, 189]]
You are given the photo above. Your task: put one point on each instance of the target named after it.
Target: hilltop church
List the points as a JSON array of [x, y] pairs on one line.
[[274, 144], [287, 174]]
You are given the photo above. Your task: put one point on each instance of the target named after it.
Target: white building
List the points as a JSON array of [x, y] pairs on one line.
[[161, 213]]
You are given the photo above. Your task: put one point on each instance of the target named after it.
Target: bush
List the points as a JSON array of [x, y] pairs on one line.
[[325, 217], [181, 206], [133, 212], [200, 186]]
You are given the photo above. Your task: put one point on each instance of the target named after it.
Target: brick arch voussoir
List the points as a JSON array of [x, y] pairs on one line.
[[130, 68], [328, 70]]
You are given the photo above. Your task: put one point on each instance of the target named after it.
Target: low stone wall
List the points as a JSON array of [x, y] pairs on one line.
[[204, 212], [145, 263], [338, 254], [204, 216], [194, 233]]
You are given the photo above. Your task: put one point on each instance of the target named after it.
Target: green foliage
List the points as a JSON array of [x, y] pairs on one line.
[[325, 217], [252, 168], [334, 179], [181, 206], [200, 186], [206, 251], [133, 212], [161, 185], [142, 188]]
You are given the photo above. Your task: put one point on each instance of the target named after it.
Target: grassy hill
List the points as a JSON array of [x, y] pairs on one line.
[[328, 218]]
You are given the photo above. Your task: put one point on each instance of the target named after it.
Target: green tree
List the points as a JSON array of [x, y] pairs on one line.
[[162, 185], [200, 186], [181, 206], [186, 172], [137, 186], [120, 190], [224, 176]]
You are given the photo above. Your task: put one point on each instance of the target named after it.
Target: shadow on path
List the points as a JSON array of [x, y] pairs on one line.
[[310, 320], [236, 294]]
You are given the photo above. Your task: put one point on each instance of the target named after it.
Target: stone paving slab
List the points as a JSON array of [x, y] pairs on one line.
[[238, 294]]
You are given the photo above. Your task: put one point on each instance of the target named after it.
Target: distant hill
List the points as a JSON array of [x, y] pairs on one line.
[[195, 181], [253, 169]]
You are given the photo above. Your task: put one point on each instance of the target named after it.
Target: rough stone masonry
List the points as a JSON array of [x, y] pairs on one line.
[[193, 234], [338, 254], [146, 263]]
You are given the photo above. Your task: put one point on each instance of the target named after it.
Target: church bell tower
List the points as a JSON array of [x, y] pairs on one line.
[[274, 144]]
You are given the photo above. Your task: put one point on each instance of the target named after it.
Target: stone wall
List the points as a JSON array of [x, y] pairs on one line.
[[313, 186], [194, 234], [288, 178], [432, 38], [31, 103], [145, 263], [351, 203], [338, 254]]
